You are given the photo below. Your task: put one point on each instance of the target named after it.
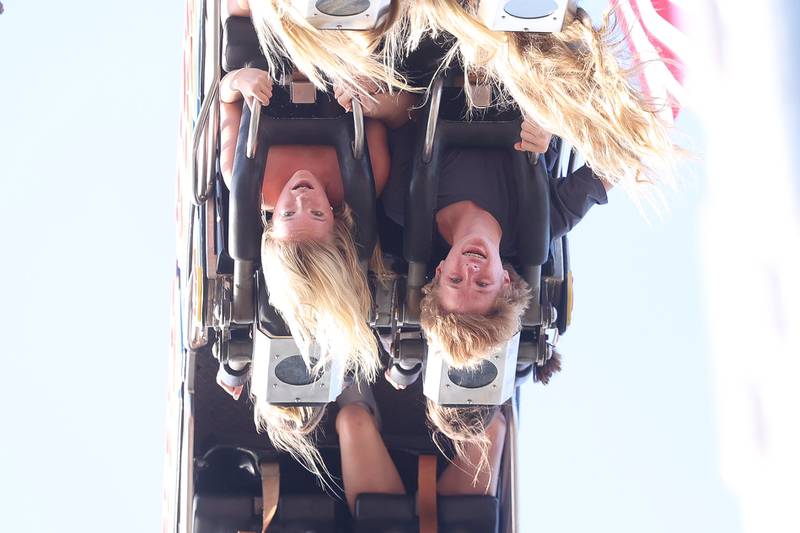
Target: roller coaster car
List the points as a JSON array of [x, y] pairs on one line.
[[225, 464]]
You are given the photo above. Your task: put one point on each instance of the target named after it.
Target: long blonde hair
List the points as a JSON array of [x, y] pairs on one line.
[[462, 426], [290, 429], [353, 59], [323, 295], [571, 82]]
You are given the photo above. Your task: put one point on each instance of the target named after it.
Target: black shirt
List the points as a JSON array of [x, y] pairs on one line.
[[485, 177]]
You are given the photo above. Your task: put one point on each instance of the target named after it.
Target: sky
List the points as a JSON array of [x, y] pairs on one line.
[[622, 440], [88, 122]]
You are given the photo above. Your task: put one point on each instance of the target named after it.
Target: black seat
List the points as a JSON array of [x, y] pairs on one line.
[[228, 498], [390, 513], [295, 514], [385, 513], [468, 514]]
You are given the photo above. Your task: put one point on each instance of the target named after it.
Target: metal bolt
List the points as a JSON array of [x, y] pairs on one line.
[[469, 401]]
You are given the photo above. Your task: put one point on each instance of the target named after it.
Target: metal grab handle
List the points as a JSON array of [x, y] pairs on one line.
[[358, 129], [199, 197], [433, 119], [210, 102], [252, 132]]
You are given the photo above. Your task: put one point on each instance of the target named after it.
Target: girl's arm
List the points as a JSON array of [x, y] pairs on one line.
[[392, 109], [247, 83]]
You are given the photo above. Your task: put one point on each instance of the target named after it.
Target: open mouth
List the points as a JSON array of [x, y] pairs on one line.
[[474, 251], [303, 184]]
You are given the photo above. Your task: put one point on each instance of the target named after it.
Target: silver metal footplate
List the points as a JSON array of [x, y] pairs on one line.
[[290, 381], [540, 16], [491, 383], [343, 14]]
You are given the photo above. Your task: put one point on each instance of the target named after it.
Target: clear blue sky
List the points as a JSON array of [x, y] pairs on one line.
[[622, 441]]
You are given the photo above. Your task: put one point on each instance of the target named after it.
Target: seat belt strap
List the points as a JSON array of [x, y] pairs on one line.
[[426, 486], [270, 492]]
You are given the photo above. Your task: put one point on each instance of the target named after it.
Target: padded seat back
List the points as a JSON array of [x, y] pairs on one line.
[[389, 513], [295, 514], [468, 514], [228, 498], [218, 514], [385, 513]]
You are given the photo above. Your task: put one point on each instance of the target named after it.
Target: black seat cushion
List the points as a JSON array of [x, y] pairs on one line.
[[385, 513], [295, 514], [222, 514], [468, 514]]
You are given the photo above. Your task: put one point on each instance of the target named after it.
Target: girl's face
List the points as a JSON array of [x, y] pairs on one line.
[[471, 276], [303, 211]]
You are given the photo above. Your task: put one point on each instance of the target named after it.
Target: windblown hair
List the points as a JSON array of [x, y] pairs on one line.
[[466, 338], [291, 429], [462, 426], [572, 83], [322, 293], [354, 59]]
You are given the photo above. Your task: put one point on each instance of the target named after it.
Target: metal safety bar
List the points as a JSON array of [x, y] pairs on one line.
[[203, 125], [433, 119], [255, 121], [200, 195], [358, 129], [252, 132]]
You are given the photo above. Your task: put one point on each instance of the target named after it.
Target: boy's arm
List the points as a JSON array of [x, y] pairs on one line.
[[571, 197]]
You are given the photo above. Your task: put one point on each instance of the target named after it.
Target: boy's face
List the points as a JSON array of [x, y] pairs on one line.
[[471, 276]]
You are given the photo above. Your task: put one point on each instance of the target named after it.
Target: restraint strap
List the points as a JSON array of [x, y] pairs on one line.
[[426, 485], [270, 491]]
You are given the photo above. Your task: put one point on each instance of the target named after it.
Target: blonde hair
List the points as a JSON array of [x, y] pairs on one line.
[[571, 82], [290, 429], [323, 295], [466, 338], [462, 426], [354, 59]]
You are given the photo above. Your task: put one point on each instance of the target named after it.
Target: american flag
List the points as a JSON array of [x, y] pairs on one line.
[[653, 30]]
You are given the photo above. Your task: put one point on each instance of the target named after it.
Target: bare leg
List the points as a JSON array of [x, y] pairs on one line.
[[236, 8], [457, 479], [366, 464]]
